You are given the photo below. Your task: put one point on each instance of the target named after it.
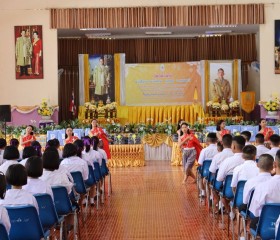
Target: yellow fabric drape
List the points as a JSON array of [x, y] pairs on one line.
[[248, 101], [86, 77], [235, 79], [206, 72], [130, 155], [117, 63], [155, 140]]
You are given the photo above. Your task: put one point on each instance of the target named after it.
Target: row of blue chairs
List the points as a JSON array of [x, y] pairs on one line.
[[270, 212]]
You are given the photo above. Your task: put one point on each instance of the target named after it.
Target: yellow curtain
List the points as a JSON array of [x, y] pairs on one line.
[[117, 63], [86, 77]]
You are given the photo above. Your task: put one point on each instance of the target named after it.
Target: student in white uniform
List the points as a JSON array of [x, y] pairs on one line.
[[248, 169], [27, 153], [274, 142], [266, 192], [34, 168], [11, 155], [247, 135], [89, 153], [55, 143], [261, 148], [51, 173], [218, 159], [15, 142], [80, 146], [207, 154], [4, 217], [228, 165], [37, 146], [16, 176], [95, 153], [3, 144], [101, 150], [72, 162]]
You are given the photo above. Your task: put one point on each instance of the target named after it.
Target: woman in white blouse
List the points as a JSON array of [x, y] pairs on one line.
[[11, 155]]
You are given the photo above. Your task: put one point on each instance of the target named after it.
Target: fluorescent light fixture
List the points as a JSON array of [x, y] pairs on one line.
[[223, 26], [158, 33], [218, 31], [93, 29], [97, 35], [157, 27]]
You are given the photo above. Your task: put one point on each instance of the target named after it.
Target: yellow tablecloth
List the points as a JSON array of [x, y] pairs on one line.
[[155, 140], [206, 120], [128, 155]]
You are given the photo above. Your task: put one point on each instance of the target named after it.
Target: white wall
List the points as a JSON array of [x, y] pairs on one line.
[[30, 92], [27, 92]]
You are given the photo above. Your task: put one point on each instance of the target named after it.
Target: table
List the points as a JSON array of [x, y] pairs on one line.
[[128, 155]]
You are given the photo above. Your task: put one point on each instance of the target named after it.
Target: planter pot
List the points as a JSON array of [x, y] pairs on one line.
[[272, 113], [46, 117]]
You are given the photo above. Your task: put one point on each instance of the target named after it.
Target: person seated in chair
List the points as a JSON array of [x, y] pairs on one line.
[[274, 141], [247, 135], [266, 192], [261, 148]]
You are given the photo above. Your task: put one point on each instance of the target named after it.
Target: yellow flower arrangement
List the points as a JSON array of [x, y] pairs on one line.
[[100, 109], [216, 105], [234, 104], [44, 109], [224, 107], [271, 106]]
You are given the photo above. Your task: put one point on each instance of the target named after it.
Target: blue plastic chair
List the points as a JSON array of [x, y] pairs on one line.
[[47, 213], [266, 226], [226, 193], [80, 187], [105, 172], [215, 186], [3, 233], [98, 177], [237, 202], [25, 223], [204, 172], [91, 182], [278, 233], [64, 207]]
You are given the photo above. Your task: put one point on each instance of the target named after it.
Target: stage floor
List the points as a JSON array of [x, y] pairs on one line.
[[151, 203]]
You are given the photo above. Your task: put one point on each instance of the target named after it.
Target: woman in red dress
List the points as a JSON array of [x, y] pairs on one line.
[[98, 132], [221, 130], [36, 53], [69, 136], [25, 141], [191, 149], [263, 129]]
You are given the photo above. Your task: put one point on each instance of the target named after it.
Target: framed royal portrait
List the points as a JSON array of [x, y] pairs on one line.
[[29, 52], [222, 80], [277, 47]]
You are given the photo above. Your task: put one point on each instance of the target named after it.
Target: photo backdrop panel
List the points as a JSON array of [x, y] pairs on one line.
[[162, 84]]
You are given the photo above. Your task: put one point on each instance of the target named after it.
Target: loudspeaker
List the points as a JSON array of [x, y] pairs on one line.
[[5, 113]]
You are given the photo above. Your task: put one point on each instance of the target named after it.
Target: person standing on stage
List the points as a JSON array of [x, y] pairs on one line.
[[191, 149], [25, 141], [98, 132]]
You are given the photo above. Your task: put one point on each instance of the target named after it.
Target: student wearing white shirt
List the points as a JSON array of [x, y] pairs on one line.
[[261, 149], [247, 135], [51, 173], [4, 217], [11, 155], [80, 148], [72, 162], [274, 141], [266, 192], [27, 153], [248, 169], [3, 144], [102, 151], [14, 142], [227, 166], [221, 156], [207, 154], [55, 143], [218, 159], [34, 168], [16, 176]]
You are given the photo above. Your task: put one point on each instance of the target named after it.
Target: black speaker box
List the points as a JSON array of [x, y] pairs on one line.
[[5, 113]]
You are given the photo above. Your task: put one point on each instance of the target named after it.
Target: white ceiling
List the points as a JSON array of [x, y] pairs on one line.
[[176, 32]]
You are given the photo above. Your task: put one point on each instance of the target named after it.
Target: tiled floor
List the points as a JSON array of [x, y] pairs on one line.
[[151, 203]]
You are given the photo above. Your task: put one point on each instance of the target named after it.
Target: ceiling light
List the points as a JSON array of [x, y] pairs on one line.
[[93, 29], [158, 33], [218, 31], [97, 35]]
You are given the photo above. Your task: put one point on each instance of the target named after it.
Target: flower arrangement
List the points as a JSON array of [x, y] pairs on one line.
[[209, 103], [44, 109], [216, 105], [271, 106], [224, 107], [234, 104], [94, 107]]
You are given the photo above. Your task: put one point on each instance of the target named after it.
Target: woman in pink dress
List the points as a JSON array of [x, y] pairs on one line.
[[221, 130], [98, 132], [25, 140], [36, 53], [263, 129]]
